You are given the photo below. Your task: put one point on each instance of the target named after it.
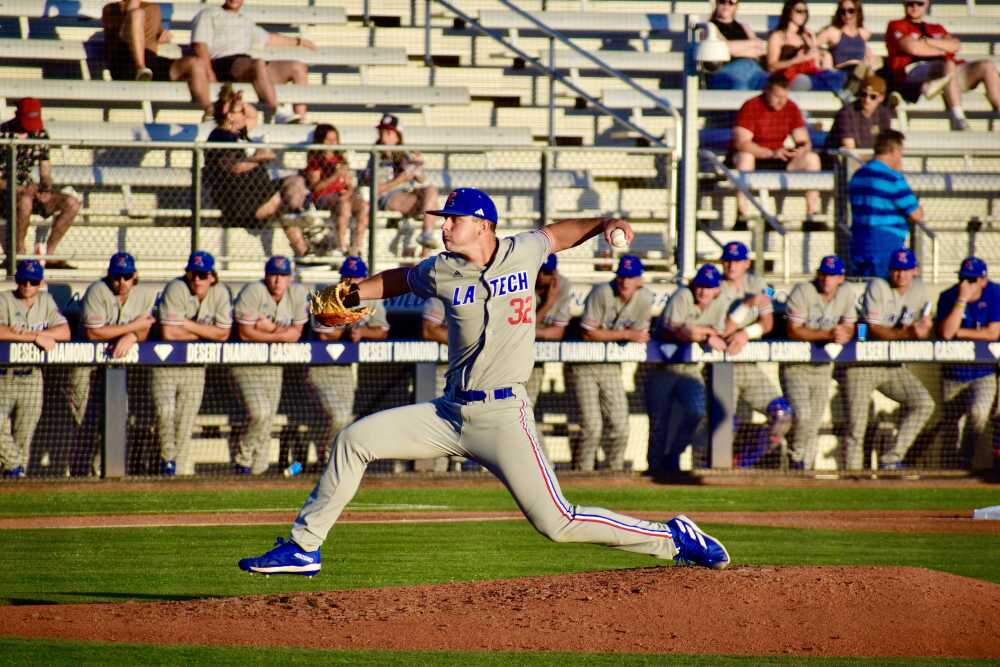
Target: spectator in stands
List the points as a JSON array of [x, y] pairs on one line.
[[846, 38], [743, 71], [553, 297], [329, 178], [195, 306], [242, 187], [899, 309], [970, 310], [923, 59], [614, 311], [675, 393], [400, 181], [40, 198], [116, 313], [750, 316], [272, 310], [133, 32], [792, 52], [27, 315], [335, 385], [223, 39], [858, 124], [763, 126], [882, 206], [819, 311]]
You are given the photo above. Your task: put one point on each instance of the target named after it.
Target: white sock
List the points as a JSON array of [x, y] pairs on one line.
[[958, 113]]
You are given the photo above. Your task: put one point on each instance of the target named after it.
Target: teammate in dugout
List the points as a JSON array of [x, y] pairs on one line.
[[117, 312], [970, 310], [896, 310], [194, 307], [675, 393], [272, 310], [487, 285], [751, 316], [27, 315], [819, 311], [553, 295], [617, 311], [335, 384]]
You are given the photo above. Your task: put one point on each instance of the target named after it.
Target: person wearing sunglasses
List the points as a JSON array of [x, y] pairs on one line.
[[114, 312], [27, 315], [969, 310], [272, 310], [924, 60], [792, 51], [194, 307], [743, 71], [846, 38], [858, 124]]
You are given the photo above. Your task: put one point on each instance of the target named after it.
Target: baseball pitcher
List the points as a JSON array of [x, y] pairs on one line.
[[487, 285]]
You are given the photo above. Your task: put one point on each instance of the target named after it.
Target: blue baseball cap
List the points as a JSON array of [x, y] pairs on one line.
[[279, 265], [902, 259], [121, 264], [734, 251], [831, 265], [550, 264], [200, 261], [469, 201], [707, 276], [353, 267], [29, 269], [972, 267], [629, 266]]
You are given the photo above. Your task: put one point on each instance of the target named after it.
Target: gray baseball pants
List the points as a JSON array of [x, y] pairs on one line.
[[500, 435], [260, 387], [973, 399], [20, 409], [900, 385], [807, 388], [601, 400], [177, 393]]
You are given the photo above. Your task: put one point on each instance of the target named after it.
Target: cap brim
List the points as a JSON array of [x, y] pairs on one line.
[[447, 212]]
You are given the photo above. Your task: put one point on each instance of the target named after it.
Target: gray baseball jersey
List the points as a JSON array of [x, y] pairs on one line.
[[490, 312], [604, 310], [559, 315], [806, 306], [885, 306], [681, 310], [39, 316], [734, 296], [433, 310], [101, 306], [178, 303], [254, 302]]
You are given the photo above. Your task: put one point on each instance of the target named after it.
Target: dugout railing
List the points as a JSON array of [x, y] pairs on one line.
[[116, 434]]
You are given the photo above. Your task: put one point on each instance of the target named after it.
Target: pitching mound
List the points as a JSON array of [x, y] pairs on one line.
[[845, 611]]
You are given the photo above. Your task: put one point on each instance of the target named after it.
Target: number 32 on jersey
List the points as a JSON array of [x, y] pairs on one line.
[[521, 306]]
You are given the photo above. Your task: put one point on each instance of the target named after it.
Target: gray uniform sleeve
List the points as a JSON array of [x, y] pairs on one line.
[[559, 315], [644, 310], [422, 278], [875, 302], [676, 313], [300, 303], [433, 310], [247, 308], [173, 303], [538, 244], [797, 305], [5, 308], [95, 311], [379, 319], [53, 317], [222, 307], [594, 309], [846, 304]]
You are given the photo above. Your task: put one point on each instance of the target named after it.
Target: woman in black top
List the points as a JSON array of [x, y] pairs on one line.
[[744, 71]]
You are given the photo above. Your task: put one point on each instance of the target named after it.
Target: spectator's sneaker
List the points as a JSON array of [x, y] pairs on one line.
[[285, 558], [895, 101], [144, 74], [15, 473], [284, 115], [696, 547], [428, 240], [960, 124], [168, 468], [241, 470]]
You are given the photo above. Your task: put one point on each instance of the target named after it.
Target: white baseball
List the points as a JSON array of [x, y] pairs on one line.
[[618, 238]]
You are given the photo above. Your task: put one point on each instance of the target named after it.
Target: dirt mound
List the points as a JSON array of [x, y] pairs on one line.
[[860, 611]]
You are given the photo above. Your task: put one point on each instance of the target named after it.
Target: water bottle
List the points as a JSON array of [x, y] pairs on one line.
[[294, 469], [862, 331]]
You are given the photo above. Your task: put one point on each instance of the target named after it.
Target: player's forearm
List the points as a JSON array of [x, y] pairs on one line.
[[372, 333], [803, 333], [248, 332], [975, 334], [12, 335], [605, 335], [553, 332], [109, 332], [435, 332], [950, 326], [880, 332], [574, 231], [60, 332], [384, 285]]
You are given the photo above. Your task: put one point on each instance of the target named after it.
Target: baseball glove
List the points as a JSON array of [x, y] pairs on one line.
[[338, 305]]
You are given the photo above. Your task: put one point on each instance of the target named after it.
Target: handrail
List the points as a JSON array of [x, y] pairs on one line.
[[661, 103], [469, 20], [737, 180]]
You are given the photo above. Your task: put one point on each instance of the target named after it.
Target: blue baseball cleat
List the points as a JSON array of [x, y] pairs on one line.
[[695, 546], [168, 468], [285, 558], [15, 473]]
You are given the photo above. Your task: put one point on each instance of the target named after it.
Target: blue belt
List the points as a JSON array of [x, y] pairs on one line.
[[475, 395]]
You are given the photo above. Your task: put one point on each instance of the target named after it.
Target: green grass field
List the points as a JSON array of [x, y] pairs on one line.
[[54, 566]]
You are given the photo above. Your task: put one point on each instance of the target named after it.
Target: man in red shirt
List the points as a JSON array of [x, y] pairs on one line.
[[923, 59], [764, 125]]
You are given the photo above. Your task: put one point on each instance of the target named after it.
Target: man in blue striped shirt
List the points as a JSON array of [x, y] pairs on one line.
[[882, 206]]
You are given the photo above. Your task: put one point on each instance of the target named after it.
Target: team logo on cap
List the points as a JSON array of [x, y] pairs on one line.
[[121, 261], [968, 265], [732, 248], [352, 264], [901, 257], [451, 200], [830, 262], [280, 263], [626, 263], [197, 260]]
